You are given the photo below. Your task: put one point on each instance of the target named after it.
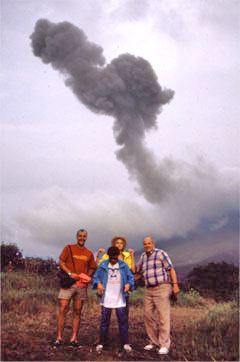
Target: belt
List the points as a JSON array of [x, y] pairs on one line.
[[156, 285]]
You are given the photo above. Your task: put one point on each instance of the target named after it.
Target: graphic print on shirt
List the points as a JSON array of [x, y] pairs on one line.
[[113, 295], [113, 275]]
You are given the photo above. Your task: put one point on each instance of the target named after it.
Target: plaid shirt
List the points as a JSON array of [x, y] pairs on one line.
[[155, 267]]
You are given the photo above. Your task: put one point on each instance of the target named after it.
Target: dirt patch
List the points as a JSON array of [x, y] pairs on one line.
[[30, 337]]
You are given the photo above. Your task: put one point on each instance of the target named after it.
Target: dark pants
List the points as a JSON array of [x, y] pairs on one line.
[[122, 324], [127, 307]]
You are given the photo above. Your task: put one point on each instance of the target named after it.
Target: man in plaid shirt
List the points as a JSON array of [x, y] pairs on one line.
[[160, 280]]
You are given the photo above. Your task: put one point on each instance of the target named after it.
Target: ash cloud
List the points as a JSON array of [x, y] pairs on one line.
[[126, 89]]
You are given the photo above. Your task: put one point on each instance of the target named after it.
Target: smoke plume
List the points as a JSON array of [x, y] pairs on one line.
[[126, 89]]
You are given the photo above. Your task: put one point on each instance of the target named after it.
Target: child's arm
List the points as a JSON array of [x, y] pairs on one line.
[[127, 287], [100, 288], [96, 278]]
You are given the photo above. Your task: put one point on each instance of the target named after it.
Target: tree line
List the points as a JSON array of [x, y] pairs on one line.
[[13, 260]]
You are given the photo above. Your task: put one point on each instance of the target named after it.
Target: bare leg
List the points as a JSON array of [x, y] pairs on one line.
[[63, 309], [77, 309]]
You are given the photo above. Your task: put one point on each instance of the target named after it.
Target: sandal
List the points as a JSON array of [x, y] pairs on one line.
[[57, 343], [74, 343]]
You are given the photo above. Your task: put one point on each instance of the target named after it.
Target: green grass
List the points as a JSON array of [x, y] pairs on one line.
[[214, 336], [192, 298], [22, 291], [218, 327]]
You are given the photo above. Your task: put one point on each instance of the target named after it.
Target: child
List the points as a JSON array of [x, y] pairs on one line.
[[113, 279]]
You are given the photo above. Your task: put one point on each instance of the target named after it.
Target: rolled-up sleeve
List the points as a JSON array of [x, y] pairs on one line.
[[166, 261], [64, 254]]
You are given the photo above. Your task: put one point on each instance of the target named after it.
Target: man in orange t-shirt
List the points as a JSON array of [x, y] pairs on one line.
[[81, 261]]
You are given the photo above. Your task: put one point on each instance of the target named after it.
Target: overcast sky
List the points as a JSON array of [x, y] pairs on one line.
[[60, 169]]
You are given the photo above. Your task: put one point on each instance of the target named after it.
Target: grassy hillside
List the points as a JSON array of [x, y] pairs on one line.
[[202, 330]]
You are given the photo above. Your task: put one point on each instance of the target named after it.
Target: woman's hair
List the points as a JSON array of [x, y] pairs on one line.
[[121, 238]]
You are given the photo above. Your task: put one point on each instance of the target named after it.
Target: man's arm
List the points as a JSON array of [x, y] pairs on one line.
[[62, 262], [138, 274], [173, 276], [92, 266], [67, 270], [138, 269]]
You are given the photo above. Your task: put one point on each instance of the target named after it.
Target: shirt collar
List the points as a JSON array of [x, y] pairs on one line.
[[151, 252]]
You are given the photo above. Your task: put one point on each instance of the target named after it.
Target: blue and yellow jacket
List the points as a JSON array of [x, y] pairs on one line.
[[101, 276]]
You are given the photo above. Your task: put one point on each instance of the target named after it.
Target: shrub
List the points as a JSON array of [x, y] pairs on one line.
[[192, 298], [10, 253], [218, 281]]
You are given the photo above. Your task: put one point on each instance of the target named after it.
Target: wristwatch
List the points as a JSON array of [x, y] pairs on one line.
[[70, 273]]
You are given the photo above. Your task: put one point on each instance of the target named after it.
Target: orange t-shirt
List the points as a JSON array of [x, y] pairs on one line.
[[83, 259]]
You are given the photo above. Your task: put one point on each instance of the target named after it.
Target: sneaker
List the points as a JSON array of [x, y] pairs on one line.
[[57, 343], [127, 348], [149, 347], [99, 348], [74, 343], [163, 350]]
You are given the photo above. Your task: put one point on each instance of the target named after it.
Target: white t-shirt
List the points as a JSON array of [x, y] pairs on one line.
[[113, 297]]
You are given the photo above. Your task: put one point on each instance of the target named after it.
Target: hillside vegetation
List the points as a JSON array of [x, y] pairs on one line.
[[202, 329]]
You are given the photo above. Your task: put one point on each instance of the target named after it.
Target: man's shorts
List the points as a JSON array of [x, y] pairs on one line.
[[74, 292]]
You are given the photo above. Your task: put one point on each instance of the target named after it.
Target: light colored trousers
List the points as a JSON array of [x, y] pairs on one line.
[[158, 299]]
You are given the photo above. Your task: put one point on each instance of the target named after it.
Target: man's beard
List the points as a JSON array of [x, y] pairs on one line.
[[81, 242]]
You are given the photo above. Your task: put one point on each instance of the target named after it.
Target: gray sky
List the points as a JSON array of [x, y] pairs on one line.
[[60, 170]]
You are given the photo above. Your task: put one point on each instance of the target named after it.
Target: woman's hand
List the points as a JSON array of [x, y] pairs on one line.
[[131, 252], [100, 251]]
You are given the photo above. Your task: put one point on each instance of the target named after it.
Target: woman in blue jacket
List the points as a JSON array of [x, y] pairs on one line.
[[113, 279]]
